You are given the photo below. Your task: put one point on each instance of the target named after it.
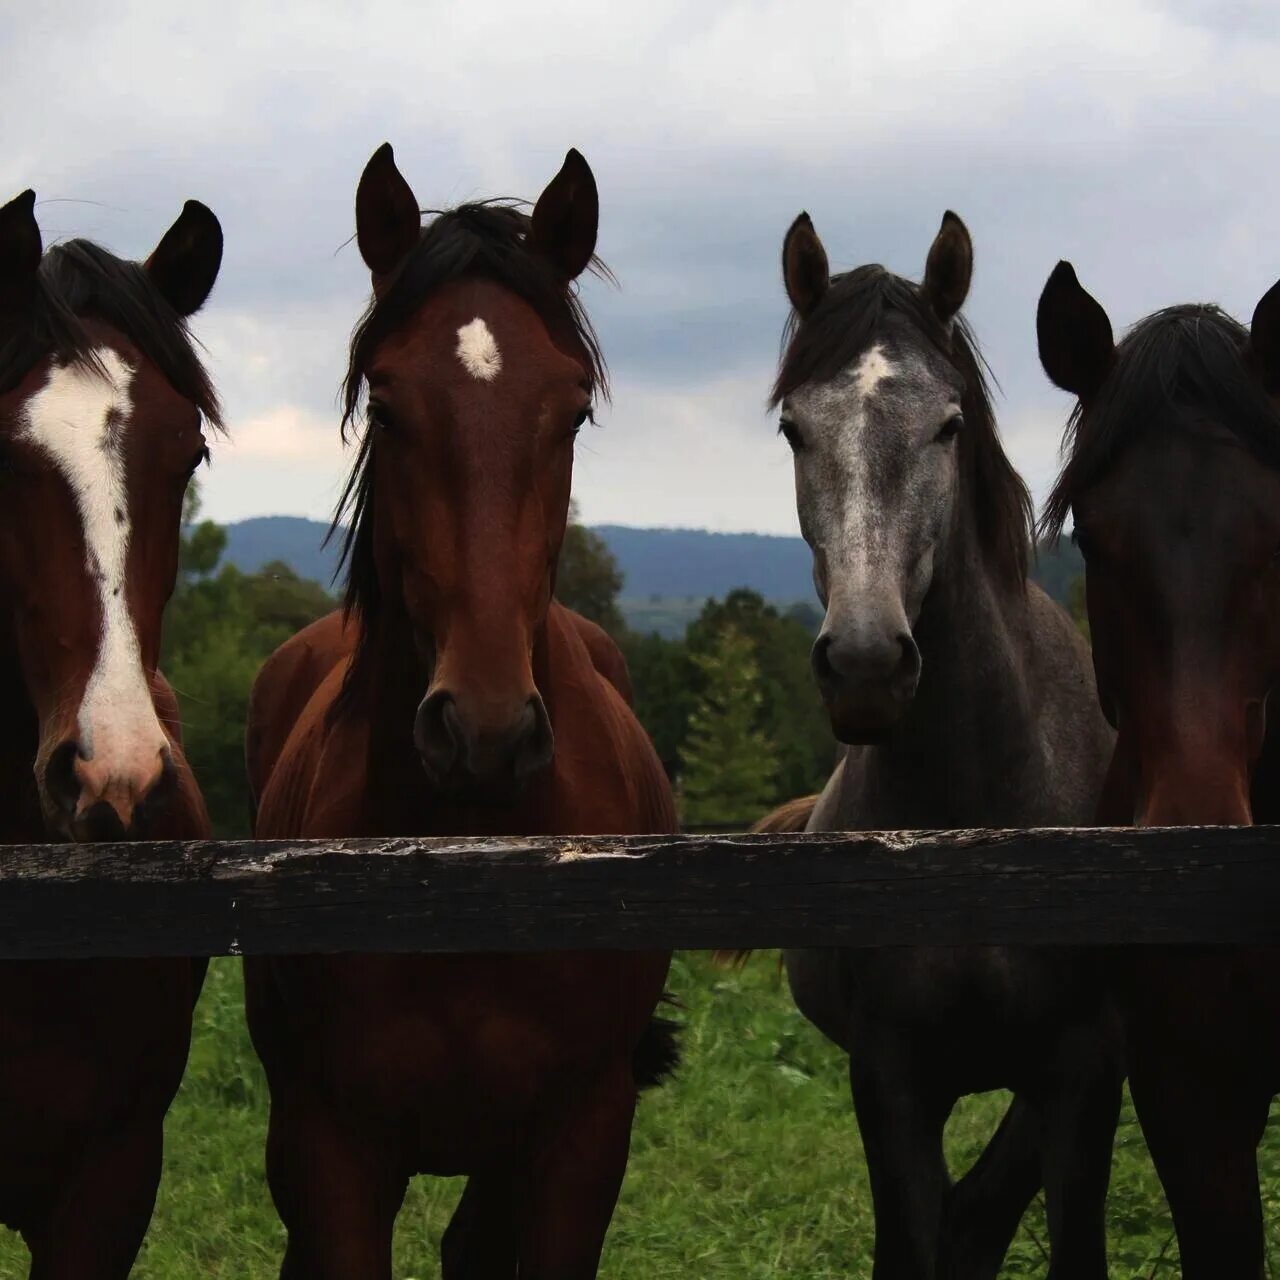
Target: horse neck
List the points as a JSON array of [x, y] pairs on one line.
[[970, 717]]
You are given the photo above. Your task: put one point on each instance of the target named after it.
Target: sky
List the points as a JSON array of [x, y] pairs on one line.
[[1138, 140]]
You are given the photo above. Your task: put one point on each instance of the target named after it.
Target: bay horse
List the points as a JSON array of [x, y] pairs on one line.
[[457, 698], [1173, 481], [965, 699], [102, 397]]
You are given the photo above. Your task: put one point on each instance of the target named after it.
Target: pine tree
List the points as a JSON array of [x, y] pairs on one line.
[[730, 766]]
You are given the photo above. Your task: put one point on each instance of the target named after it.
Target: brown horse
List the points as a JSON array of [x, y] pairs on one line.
[[101, 398], [459, 698], [1173, 480]]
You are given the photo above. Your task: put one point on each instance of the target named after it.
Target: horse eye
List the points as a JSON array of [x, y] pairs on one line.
[[203, 456], [380, 415], [791, 432], [580, 421], [1084, 543], [951, 427]]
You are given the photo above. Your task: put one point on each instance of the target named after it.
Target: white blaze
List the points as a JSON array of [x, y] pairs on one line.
[[856, 518], [79, 418], [871, 371], [478, 351]]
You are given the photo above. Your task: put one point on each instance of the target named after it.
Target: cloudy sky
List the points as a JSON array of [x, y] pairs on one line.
[[1140, 140]]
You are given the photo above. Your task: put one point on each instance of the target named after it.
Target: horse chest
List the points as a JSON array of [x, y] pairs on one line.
[[84, 1046], [455, 1054]]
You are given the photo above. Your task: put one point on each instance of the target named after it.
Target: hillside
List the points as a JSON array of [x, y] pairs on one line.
[[667, 572]]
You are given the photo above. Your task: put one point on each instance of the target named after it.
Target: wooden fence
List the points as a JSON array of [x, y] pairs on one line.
[[1077, 887]]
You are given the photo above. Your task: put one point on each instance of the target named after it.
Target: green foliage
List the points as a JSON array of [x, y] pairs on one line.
[[665, 682], [747, 1166], [669, 681], [729, 766], [1078, 607], [1055, 566], [791, 711], [588, 578], [220, 626]]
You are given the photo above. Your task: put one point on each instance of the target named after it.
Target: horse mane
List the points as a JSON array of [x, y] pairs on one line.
[[1177, 370], [78, 281], [482, 240], [844, 325]]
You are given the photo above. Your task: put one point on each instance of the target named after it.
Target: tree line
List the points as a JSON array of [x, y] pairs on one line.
[[731, 707]]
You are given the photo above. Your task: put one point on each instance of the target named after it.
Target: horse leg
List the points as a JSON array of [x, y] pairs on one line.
[[95, 1228], [984, 1209], [573, 1180], [337, 1189], [480, 1242], [1080, 1116], [902, 1121], [1203, 1131]]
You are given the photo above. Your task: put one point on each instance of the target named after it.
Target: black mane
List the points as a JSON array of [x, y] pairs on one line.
[[1177, 370], [844, 325], [485, 240], [79, 280]]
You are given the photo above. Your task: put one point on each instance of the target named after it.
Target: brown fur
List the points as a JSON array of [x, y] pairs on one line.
[[91, 1052], [520, 1071], [1173, 481]]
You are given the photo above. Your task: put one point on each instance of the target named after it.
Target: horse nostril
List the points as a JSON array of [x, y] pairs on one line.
[[865, 658], [156, 799], [60, 781], [437, 733], [821, 657], [535, 743], [909, 662]]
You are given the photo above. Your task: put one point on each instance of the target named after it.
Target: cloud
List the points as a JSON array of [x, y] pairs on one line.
[[1128, 136]]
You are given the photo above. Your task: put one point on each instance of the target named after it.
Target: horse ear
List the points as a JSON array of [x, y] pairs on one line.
[[805, 270], [1076, 344], [20, 250], [184, 265], [948, 270], [388, 220], [567, 217], [1264, 339]]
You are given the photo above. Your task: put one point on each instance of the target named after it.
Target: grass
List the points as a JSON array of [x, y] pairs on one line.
[[746, 1167]]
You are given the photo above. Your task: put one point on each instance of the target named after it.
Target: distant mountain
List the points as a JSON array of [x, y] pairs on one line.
[[658, 564], [293, 539], [694, 562]]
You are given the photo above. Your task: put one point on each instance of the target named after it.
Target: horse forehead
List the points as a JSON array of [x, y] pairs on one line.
[[475, 333], [1169, 490], [873, 402], [82, 406]]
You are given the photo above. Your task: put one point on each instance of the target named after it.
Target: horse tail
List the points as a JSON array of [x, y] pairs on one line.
[[792, 816], [658, 1054]]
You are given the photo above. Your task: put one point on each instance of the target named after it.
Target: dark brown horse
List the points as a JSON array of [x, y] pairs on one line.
[[101, 399], [1173, 480], [459, 699]]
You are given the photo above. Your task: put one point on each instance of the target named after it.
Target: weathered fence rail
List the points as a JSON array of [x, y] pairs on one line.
[[1050, 887]]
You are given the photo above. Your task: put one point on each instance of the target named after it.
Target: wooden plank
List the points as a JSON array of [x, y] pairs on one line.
[[1055, 887]]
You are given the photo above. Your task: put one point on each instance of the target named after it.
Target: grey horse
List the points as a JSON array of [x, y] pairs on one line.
[[966, 698]]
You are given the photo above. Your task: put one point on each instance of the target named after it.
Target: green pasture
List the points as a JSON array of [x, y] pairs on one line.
[[746, 1167]]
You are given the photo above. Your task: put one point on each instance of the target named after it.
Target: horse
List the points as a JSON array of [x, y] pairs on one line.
[[1172, 478], [964, 698], [457, 696], [102, 397], [792, 816]]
